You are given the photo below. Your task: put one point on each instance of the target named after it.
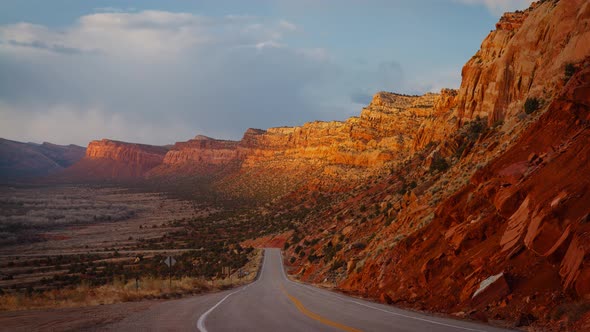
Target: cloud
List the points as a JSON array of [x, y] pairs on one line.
[[159, 77], [287, 25], [155, 77], [66, 124], [498, 7]]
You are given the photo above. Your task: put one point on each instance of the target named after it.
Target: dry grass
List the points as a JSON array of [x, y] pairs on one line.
[[120, 291]]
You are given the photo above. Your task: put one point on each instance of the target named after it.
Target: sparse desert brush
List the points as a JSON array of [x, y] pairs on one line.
[[531, 105], [117, 291], [124, 290]]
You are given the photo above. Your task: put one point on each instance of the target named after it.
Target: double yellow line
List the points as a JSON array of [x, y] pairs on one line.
[[315, 316]]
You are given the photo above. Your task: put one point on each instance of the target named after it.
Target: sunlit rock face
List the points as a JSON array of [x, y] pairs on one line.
[[513, 207], [202, 150], [384, 131], [113, 159], [524, 57]]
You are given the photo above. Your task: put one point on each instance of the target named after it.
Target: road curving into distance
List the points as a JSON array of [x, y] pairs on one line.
[[275, 303]]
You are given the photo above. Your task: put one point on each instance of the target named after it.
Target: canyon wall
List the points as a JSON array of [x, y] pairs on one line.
[[114, 160], [384, 131], [202, 150], [524, 57], [489, 216]]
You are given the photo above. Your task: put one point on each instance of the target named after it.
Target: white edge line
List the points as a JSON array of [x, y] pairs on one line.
[[201, 322], [372, 307]]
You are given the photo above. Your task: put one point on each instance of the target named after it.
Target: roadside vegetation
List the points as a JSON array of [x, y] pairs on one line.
[[123, 289], [48, 257]]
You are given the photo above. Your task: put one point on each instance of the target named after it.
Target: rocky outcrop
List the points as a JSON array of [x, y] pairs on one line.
[[203, 150], [492, 221], [143, 155], [384, 131], [522, 218], [333, 155], [441, 125], [524, 57], [108, 159], [27, 160]]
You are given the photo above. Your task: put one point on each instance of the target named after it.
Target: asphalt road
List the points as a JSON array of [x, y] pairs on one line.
[[274, 303]]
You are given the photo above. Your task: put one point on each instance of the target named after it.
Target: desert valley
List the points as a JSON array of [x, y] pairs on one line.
[[471, 204]]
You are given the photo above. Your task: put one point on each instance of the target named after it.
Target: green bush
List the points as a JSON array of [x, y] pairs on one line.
[[531, 105]]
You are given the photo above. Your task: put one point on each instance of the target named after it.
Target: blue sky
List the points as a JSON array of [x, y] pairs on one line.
[[164, 71]]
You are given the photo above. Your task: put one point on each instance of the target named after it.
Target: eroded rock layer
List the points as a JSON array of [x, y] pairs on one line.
[[524, 57], [488, 217], [109, 159]]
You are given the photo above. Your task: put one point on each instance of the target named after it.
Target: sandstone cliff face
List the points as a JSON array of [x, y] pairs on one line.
[[524, 57], [384, 131], [202, 150], [524, 215], [108, 159], [441, 125], [507, 203], [332, 156]]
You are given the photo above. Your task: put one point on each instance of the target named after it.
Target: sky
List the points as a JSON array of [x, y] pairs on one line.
[[158, 72]]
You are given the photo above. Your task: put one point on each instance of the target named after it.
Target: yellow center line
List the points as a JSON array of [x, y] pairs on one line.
[[315, 316]]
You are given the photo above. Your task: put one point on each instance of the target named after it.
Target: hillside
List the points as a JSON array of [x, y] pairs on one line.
[[19, 160], [490, 220]]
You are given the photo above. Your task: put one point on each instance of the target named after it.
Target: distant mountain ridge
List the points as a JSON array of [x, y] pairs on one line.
[[20, 160]]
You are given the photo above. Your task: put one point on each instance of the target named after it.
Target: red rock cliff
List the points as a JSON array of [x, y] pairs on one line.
[[202, 150], [498, 228], [524, 57], [108, 159], [384, 131]]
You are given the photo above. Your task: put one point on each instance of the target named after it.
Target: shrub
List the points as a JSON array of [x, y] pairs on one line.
[[337, 264], [570, 70], [531, 105], [359, 245], [439, 164], [475, 128], [313, 258]]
